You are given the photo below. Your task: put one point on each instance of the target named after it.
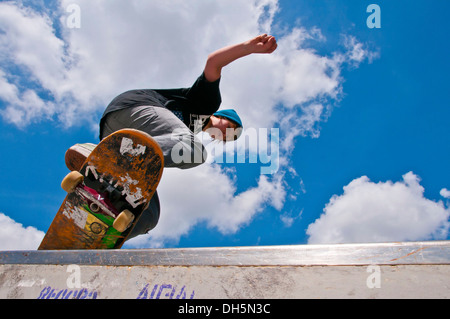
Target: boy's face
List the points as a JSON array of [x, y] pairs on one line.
[[221, 123]]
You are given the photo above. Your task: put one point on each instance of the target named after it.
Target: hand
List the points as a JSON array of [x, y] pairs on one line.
[[262, 44]]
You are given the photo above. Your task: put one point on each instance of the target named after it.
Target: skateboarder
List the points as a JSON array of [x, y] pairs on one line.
[[173, 116]]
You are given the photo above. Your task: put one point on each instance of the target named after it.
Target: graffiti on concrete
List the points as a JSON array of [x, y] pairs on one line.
[[165, 292], [51, 293]]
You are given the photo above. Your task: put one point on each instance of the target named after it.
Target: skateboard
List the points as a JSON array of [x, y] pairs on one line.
[[108, 194]]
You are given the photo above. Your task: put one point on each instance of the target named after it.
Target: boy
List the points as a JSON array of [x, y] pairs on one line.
[[173, 116]]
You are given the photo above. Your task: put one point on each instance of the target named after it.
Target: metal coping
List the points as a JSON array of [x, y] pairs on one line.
[[404, 253]]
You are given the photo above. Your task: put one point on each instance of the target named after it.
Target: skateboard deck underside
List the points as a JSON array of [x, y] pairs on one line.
[[122, 172]]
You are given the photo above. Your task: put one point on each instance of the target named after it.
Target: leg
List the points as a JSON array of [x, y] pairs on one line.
[[172, 135], [149, 218]]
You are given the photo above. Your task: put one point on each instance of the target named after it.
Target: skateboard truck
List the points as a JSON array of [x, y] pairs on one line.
[[74, 182]]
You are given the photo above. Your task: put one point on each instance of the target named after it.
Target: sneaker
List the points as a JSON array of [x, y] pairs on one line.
[[77, 154]]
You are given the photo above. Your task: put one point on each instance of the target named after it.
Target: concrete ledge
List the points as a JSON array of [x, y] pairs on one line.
[[390, 270], [433, 252]]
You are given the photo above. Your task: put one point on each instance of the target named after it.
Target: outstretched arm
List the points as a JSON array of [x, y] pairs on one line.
[[217, 60]]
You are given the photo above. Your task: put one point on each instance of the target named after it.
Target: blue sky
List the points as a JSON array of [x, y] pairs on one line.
[[362, 115]]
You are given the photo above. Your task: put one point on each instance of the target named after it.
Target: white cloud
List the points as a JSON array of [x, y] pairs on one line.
[[445, 193], [15, 236], [288, 220], [380, 212], [208, 194], [27, 41], [136, 44], [357, 52]]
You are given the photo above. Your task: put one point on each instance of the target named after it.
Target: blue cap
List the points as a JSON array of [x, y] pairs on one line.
[[231, 115]]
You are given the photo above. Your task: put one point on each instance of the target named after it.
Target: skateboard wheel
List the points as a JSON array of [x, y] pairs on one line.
[[94, 207], [71, 181], [123, 220]]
